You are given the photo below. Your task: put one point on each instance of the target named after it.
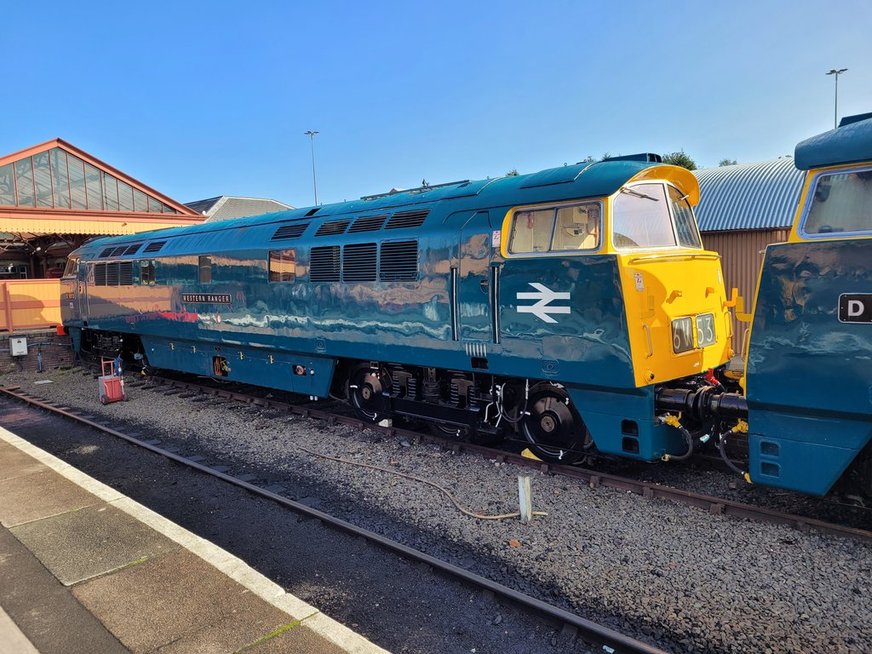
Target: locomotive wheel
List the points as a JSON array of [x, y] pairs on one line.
[[553, 427], [365, 387]]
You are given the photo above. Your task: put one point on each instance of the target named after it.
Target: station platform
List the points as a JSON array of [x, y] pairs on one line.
[[85, 569]]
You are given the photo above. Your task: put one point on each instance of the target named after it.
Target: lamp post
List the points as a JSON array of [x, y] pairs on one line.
[[311, 135], [836, 72]]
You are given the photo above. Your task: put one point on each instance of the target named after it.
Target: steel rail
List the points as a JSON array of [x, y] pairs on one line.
[[712, 504], [609, 639]]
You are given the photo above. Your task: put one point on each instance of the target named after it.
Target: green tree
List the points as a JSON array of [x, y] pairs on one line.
[[680, 159], [727, 162]]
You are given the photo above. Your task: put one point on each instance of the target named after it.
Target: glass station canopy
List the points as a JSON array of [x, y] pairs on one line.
[[56, 179]]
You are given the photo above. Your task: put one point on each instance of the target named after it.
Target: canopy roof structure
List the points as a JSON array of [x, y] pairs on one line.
[[55, 188]]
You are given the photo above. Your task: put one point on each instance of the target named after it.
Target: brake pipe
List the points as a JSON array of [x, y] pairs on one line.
[[673, 421], [741, 427]]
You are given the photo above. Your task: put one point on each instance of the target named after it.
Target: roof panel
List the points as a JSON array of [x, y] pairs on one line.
[[850, 143]]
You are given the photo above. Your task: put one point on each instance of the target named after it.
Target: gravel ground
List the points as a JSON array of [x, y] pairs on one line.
[[654, 569]]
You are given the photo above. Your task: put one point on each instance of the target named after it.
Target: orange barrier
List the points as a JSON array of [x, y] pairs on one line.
[[29, 304]]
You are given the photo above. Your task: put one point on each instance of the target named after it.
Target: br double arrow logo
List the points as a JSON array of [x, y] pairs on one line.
[[545, 296]]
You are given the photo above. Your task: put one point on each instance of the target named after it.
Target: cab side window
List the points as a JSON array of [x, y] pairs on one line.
[[841, 202], [556, 229], [531, 231]]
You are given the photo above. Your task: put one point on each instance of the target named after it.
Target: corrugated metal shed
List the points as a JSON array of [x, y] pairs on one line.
[[748, 196]]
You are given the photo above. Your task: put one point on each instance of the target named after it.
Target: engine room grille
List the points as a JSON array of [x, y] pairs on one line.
[[154, 246], [333, 228], [111, 274], [407, 219], [359, 262], [324, 264], [289, 231], [398, 261], [116, 273], [367, 224], [125, 273]]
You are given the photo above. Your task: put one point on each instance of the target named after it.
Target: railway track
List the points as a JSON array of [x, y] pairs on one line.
[[604, 638], [593, 478]]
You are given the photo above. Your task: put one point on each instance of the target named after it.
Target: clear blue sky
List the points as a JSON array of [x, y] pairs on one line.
[[207, 98]]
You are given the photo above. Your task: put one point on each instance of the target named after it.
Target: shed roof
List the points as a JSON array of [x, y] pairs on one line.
[[748, 196], [225, 207]]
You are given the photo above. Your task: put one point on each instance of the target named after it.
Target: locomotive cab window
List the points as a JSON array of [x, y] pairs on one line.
[[556, 229], [71, 268], [841, 202], [641, 219], [205, 267], [685, 222], [282, 265]]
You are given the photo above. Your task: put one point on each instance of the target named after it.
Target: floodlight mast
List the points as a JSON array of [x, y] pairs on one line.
[[836, 72], [311, 134]]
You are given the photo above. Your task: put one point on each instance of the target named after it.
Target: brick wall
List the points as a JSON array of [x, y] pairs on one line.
[[57, 352]]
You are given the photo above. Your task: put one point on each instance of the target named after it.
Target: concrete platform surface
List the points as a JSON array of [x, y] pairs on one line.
[[86, 569]]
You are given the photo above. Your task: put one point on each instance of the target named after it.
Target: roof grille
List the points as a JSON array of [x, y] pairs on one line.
[[106, 252], [289, 231], [118, 251], [312, 212], [399, 261], [359, 262], [154, 246], [333, 228], [132, 249], [367, 224], [324, 264], [407, 219]]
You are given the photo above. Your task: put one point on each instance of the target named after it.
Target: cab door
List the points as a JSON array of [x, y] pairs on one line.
[[82, 290], [475, 286]]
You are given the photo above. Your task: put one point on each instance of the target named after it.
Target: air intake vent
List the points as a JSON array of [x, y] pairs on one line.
[[154, 246], [333, 228], [117, 273], [399, 261], [324, 264], [116, 252], [132, 249], [367, 224], [407, 219], [106, 252], [289, 231], [312, 212], [112, 274], [359, 262], [125, 273]]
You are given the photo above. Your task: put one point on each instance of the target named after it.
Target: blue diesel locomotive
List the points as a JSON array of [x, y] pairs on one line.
[[555, 305], [574, 306]]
